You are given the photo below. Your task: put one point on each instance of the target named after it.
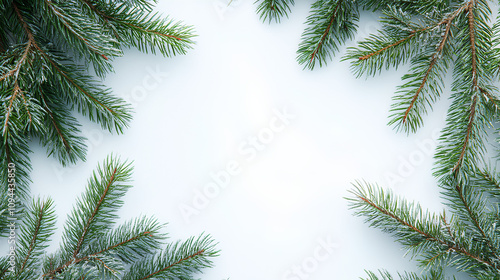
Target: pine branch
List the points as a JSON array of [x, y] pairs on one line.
[[92, 249], [331, 23], [435, 274], [434, 240], [45, 51], [424, 85], [399, 40], [60, 125], [270, 10], [143, 30], [130, 241], [94, 213], [38, 227], [415, 8], [78, 33], [487, 179], [179, 260], [462, 142]]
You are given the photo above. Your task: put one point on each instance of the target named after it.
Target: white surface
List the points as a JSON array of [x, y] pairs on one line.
[[288, 198]]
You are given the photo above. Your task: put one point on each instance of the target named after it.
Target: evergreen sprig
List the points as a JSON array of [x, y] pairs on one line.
[[435, 37], [465, 236], [330, 24], [93, 247], [270, 10], [384, 275], [46, 48]]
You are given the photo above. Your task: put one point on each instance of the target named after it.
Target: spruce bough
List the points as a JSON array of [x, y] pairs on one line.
[[93, 246], [46, 49], [434, 37]]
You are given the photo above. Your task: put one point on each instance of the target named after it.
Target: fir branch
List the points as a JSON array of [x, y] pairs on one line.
[[487, 179], [139, 237], [85, 38], [38, 226], [411, 98], [94, 212], [62, 126], [45, 51], [93, 249], [270, 10], [144, 30], [17, 68], [418, 231], [434, 274], [331, 23], [178, 259], [472, 36], [469, 117]]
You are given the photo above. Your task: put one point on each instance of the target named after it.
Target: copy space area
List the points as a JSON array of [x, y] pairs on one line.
[[237, 140]]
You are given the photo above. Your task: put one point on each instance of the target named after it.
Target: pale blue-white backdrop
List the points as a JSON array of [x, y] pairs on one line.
[[237, 140]]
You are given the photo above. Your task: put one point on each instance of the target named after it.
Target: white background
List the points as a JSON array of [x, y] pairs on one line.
[[194, 112]]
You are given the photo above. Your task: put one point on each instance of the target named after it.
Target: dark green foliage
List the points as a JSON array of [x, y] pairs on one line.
[[46, 48], [94, 247], [465, 236], [269, 10], [435, 37], [384, 275], [331, 23]]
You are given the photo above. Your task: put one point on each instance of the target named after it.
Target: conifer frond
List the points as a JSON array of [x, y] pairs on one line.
[[93, 248], [60, 131], [435, 274], [178, 259], [423, 85], [330, 24], [71, 84], [14, 153], [46, 48], [398, 41], [462, 142], [78, 34], [4, 267], [4, 214], [270, 10], [469, 241], [37, 228], [146, 31], [411, 7], [95, 211], [488, 179], [130, 241], [407, 222]]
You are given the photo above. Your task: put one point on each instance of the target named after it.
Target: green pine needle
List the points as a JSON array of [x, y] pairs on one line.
[[46, 49], [93, 246]]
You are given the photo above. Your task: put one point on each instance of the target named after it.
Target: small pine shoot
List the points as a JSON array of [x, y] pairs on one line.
[[94, 247], [270, 10], [435, 37], [46, 48]]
